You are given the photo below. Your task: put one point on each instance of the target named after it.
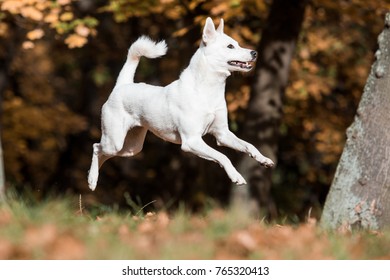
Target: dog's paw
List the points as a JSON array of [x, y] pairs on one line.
[[238, 180], [92, 182], [266, 162], [92, 186]]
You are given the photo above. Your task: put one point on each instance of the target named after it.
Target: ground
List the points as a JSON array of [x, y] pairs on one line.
[[62, 229]]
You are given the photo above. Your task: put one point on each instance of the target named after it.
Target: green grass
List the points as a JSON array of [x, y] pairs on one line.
[[60, 229]]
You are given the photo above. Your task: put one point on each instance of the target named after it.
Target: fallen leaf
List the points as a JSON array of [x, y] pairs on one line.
[[63, 2], [31, 13], [67, 247], [6, 249], [12, 6], [35, 34], [75, 41], [40, 236], [68, 16], [244, 239], [82, 30], [5, 217]]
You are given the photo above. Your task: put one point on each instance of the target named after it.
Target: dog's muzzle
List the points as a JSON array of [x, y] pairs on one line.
[[246, 65]]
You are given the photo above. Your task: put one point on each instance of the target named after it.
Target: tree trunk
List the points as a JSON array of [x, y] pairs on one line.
[[265, 107], [359, 195], [3, 80], [5, 62], [2, 176]]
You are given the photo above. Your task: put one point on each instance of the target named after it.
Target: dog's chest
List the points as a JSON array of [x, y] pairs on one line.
[[205, 115], [204, 109], [208, 120]]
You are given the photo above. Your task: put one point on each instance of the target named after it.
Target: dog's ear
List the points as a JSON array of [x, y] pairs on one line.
[[208, 31], [220, 26]]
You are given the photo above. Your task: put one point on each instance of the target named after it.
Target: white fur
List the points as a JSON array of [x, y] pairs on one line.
[[183, 111]]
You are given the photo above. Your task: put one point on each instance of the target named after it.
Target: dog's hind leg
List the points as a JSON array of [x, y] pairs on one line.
[[111, 143], [130, 146], [98, 158], [134, 142]]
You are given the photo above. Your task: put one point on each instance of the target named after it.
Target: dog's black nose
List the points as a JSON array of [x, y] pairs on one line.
[[254, 54]]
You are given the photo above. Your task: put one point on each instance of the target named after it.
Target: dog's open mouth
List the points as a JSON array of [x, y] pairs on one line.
[[241, 64]]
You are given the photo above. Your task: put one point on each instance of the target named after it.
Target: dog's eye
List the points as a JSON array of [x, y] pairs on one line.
[[230, 46]]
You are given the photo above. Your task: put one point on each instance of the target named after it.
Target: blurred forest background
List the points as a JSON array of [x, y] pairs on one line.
[[59, 61]]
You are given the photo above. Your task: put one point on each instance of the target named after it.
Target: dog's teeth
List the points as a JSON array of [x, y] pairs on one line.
[[241, 64]]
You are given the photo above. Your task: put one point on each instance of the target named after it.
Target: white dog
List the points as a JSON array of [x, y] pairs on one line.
[[183, 111]]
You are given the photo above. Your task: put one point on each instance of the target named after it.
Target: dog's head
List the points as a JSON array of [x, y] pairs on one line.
[[223, 51]]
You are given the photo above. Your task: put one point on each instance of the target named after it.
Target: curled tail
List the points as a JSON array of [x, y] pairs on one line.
[[144, 46]]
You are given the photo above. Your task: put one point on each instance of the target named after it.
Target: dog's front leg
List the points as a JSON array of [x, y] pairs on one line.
[[198, 147], [224, 137], [228, 139]]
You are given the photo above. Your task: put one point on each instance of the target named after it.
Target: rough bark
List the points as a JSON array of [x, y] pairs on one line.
[[359, 195], [265, 107]]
